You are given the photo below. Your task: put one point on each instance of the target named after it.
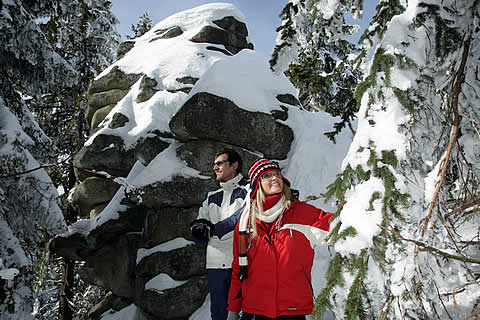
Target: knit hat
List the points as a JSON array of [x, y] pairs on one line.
[[257, 169]]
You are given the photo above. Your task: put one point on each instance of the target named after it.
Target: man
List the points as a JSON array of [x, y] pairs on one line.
[[217, 218]]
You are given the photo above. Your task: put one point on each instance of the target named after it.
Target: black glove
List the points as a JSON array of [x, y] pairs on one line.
[[202, 229], [243, 273]]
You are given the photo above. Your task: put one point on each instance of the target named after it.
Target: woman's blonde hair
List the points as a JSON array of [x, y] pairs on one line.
[[257, 205]]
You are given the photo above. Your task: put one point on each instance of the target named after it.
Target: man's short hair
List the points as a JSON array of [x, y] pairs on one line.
[[233, 157]]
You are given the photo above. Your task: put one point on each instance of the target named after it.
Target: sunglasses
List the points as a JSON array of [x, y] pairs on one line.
[[219, 163], [269, 175]]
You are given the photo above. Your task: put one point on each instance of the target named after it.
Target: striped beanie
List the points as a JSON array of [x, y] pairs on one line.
[[257, 169]]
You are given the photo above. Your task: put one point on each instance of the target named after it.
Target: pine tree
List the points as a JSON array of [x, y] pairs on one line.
[[51, 65], [84, 34], [143, 26], [406, 236], [312, 51]]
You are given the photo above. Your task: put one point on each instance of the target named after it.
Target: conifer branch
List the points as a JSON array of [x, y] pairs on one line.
[[43, 166], [386, 306], [476, 76], [474, 122], [97, 173], [466, 206], [459, 289], [460, 77], [119, 180], [433, 249]]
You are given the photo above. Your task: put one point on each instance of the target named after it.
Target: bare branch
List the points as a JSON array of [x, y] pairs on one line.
[[466, 206], [433, 249], [474, 122], [460, 77], [43, 166]]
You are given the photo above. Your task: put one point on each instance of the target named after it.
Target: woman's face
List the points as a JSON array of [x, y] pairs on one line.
[[271, 183]]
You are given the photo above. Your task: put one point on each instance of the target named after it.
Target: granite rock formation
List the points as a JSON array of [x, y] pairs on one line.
[[145, 169]]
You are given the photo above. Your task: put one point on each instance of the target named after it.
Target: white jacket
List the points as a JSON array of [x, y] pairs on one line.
[[219, 208]]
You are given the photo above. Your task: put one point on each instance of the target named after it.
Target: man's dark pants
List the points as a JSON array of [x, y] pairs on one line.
[[219, 285]]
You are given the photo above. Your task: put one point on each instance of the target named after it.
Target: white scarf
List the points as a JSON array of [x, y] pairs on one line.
[[268, 216], [274, 212]]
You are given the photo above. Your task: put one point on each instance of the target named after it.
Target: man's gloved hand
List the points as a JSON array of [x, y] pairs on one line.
[[232, 315], [202, 229]]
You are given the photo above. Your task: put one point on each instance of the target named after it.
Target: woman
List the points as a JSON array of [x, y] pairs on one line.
[[273, 249]]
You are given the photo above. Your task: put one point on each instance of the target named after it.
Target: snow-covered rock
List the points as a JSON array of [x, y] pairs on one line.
[[183, 91]]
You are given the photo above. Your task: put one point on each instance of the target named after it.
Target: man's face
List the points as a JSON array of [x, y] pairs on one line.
[[224, 170]]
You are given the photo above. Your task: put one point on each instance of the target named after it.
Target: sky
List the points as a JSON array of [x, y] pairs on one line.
[[263, 17]]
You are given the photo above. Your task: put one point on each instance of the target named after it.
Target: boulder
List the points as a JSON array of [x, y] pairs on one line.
[[109, 302], [289, 99], [102, 99], [118, 120], [199, 154], [80, 245], [233, 42], [232, 25], [149, 147], [115, 79], [105, 153], [179, 264], [99, 116], [108, 90], [162, 225], [169, 33], [178, 192], [223, 121], [124, 47], [175, 303], [187, 80], [97, 210], [92, 192], [113, 265], [147, 89]]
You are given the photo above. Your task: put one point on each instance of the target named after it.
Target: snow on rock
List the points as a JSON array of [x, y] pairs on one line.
[[168, 64], [163, 247], [162, 282], [246, 80], [130, 312]]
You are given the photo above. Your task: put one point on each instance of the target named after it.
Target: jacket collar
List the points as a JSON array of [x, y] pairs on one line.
[[232, 183]]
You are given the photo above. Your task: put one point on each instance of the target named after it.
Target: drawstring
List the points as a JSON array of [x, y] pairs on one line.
[[291, 234]]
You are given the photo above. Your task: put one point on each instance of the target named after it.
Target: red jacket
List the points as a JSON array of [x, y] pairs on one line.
[[279, 264]]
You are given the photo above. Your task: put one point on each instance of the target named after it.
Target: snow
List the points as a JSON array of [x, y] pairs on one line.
[[11, 128], [314, 161], [8, 274], [163, 167], [173, 244], [162, 282], [402, 270], [130, 312], [168, 64], [379, 126], [358, 214], [327, 7], [431, 181], [245, 79], [202, 313]]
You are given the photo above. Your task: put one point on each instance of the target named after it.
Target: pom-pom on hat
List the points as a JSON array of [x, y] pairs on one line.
[[257, 169]]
